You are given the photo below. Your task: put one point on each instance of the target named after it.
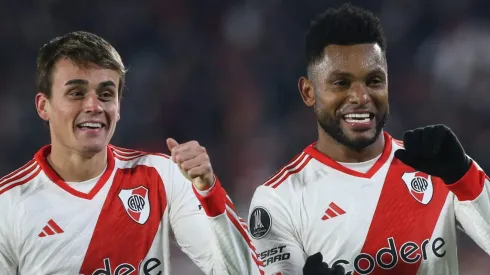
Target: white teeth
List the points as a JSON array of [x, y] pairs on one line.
[[91, 125], [358, 118], [351, 120], [364, 115]]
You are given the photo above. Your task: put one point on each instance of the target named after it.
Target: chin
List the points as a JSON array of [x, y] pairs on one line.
[[361, 135], [358, 141], [92, 148], [355, 138]]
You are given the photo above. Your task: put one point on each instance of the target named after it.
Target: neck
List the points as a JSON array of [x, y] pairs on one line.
[[75, 167], [339, 152]]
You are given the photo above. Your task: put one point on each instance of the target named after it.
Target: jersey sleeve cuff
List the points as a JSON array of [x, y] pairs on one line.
[[470, 186], [213, 200], [204, 193]]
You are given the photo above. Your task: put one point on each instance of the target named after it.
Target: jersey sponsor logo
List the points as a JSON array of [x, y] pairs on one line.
[[260, 222], [136, 203], [419, 185], [273, 255], [148, 267], [388, 257]]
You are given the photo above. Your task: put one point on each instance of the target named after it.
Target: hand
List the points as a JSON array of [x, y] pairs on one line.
[[315, 266], [193, 162], [435, 150]]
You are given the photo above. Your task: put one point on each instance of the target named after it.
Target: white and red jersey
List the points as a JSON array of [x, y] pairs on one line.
[[119, 223], [383, 219]]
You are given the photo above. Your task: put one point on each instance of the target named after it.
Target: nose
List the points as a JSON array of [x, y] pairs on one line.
[[91, 103], [359, 94]]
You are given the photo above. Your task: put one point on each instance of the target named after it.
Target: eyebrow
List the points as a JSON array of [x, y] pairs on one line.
[[377, 70], [103, 84], [107, 83], [76, 82]]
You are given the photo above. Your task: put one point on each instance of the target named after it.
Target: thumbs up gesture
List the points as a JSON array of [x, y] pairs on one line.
[[193, 161]]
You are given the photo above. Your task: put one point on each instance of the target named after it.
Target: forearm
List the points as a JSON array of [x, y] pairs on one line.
[[472, 205]]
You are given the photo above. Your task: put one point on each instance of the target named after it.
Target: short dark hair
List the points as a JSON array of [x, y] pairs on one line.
[[346, 25], [82, 48]]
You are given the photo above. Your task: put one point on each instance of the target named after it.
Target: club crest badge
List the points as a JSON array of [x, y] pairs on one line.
[[419, 185], [136, 203]]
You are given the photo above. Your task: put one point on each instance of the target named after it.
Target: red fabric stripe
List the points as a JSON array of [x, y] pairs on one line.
[[258, 263], [296, 160], [55, 227], [40, 157], [398, 142], [129, 158], [126, 154], [17, 176], [48, 230], [42, 234], [289, 173], [139, 156], [470, 186], [230, 204], [16, 171], [214, 203], [312, 151], [241, 230], [124, 150], [116, 235], [330, 213], [400, 216], [21, 182], [337, 209]]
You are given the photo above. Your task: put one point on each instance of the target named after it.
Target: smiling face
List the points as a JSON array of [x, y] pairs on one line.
[[83, 108], [348, 89]]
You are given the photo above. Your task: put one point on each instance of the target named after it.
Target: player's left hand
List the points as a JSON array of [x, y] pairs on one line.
[[193, 161], [314, 265], [435, 150]]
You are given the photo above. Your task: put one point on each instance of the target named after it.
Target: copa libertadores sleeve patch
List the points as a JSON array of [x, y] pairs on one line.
[[260, 222]]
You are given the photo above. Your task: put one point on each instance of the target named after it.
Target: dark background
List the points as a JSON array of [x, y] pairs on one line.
[[225, 73]]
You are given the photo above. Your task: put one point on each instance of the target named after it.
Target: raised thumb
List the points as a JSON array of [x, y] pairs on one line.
[[171, 143]]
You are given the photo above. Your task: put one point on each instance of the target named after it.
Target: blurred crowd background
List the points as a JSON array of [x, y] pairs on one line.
[[225, 73]]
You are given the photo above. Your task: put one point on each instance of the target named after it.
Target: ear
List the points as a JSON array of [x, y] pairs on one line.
[[307, 91], [42, 106]]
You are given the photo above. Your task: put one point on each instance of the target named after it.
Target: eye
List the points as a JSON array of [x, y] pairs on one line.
[[76, 93], [375, 81], [341, 83], [106, 95]]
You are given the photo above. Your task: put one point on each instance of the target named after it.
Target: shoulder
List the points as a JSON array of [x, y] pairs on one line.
[[291, 173], [397, 144], [149, 163], [131, 157], [286, 181], [16, 183]]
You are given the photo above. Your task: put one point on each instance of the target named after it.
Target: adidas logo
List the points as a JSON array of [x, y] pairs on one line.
[[50, 229], [333, 211]]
